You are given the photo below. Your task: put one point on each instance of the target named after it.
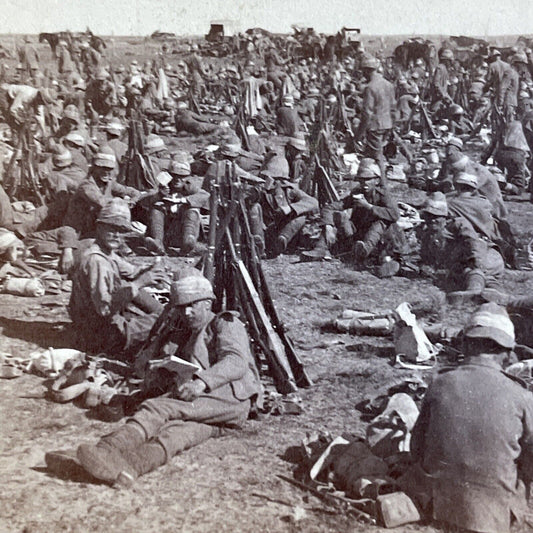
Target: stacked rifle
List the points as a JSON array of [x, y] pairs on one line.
[[22, 176], [323, 162], [138, 172], [233, 265]]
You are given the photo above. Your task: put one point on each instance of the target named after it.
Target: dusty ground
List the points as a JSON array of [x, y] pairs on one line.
[[228, 484]]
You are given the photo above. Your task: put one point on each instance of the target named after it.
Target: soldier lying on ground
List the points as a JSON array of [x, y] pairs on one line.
[[451, 244], [217, 397]]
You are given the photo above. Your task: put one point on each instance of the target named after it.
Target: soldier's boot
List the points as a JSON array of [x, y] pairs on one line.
[[475, 283], [156, 231], [190, 230], [343, 224], [105, 460], [255, 216], [288, 233], [141, 460], [320, 250], [361, 251]]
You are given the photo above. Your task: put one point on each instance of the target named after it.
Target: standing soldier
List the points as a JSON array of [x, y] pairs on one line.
[[440, 97], [377, 119]]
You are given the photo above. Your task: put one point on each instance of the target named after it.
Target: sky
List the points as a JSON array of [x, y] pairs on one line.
[[192, 17]]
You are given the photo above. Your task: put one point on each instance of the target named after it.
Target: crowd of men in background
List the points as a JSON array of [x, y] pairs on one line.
[[327, 147]]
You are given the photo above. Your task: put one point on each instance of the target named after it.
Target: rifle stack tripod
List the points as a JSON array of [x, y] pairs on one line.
[[22, 179], [233, 266]]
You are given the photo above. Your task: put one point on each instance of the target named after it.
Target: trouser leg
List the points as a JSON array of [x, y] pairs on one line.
[[156, 225], [257, 227], [182, 435], [289, 231], [190, 229], [373, 235]]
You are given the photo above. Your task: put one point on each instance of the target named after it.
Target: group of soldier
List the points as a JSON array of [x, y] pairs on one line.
[[107, 155]]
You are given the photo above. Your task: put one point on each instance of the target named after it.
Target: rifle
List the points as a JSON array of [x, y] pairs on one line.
[[427, 121], [209, 264], [258, 276], [275, 350], [164, 326]]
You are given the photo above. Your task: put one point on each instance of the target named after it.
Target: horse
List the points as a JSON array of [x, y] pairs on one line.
[[53, 39], [413, 49]]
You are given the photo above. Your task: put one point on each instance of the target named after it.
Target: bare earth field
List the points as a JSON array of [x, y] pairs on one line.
[[226, 484], [229, 484]]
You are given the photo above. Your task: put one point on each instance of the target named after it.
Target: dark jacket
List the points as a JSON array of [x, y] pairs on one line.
[[288, 121], [474, 437]]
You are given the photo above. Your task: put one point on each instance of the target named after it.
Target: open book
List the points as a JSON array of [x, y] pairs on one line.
[[182, 368]]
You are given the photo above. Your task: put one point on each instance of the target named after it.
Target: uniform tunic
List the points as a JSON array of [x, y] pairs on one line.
[[222, 350], [474, 437]]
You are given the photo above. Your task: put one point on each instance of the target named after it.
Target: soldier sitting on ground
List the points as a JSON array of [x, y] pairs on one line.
[[108, 306], [363, 223], [473, 441]]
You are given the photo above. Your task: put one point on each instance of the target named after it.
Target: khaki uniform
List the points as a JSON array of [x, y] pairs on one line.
[[474, 438], [222, 350], [101, 305]]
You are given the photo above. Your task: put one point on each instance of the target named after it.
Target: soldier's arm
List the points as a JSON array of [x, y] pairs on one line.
[[232, 353], [304, 203], [387, 210], [123, 190], [525, 461]]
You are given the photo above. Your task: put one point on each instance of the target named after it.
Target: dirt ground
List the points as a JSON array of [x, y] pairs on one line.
[[230, 484], [226, 484]]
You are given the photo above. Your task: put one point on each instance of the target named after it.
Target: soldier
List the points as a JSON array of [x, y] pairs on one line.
[[449, 242], [378, 110], [28, 56], [440, 97], [281, 209], [114, 130], [107, 306], [188, 121], [503, 81], [175, 214], [487, 183], [75, 142], [288, 121], [459, 124], [100, 95], [473, 440], [296, 153], [219, 395], [363, 222], [95, 192]]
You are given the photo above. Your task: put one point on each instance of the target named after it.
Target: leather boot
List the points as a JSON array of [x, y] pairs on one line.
[[360, 251], [105, 460], [190, 230], [141, 460], [319, 252]]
